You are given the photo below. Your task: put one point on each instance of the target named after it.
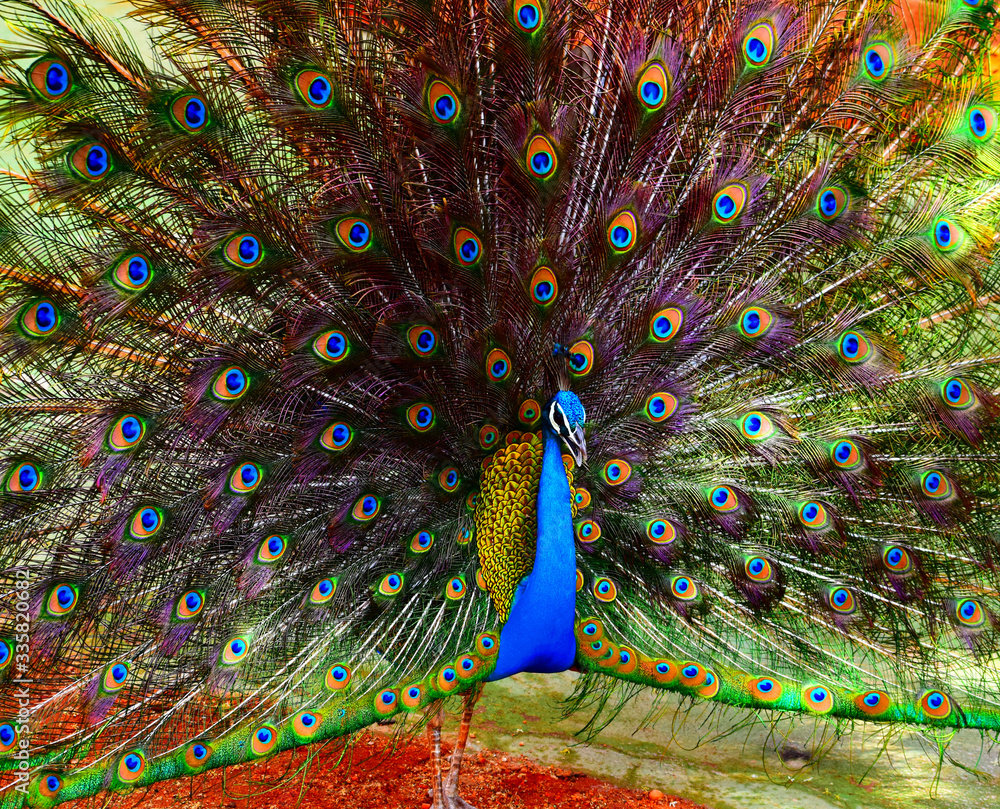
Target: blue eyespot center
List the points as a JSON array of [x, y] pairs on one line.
[[978, 122], [875, 63], [97, 160], [249, 474], [690, 671], [359, 234], [249, 249], [621, 236], [528, 15], [828, 202], [840, 597], [652, 93], [199, 751], [339, 673], [45, 317], [444, 107], [756, 50], [149, 518], [325, 587], [818, 694], [469, 250], [751, 321], [56, 79], [65, 595], [6, 734], [138, 270], [766, 686], [118, 673], [724, 206], [235, 381], [237, 647], [320, 90], [195, 113], [27, 477], [193, 601], [394, 581], [52, 783], [264, 736]]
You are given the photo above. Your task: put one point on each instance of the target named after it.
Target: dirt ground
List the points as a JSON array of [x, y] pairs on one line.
[[375, 773]]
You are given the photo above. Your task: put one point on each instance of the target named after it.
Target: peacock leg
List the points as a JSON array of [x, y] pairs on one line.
[[434, 741], [452, 798]]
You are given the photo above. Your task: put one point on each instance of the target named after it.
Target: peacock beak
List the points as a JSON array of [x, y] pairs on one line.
[[577, 445]]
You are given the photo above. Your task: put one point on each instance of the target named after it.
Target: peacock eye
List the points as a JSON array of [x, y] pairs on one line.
[[423, 340], [544, 286], [314, 88], [665, 324], [190, 113], [90, 161], [443, 103], [230, 384], [245, 478], [758, 45], [498, 367], [336, 436], [126, 433], [51, 78], [832, 202], [331, 346], [622, 232], [366, 508], [660, 406], [947, 235], [62, 600], [757, 426], [581, 358], [982, 122], [468, 247], [729, 202], [23, 478], [957, 394], [846, 455], [132, 274], [420, 416], [528, 15], [529, 412], [243, 251], [145, 524], [854, 348], [879, 60], [40, 319], [355, 234], [323, 591], [653, 87], [541, 158]]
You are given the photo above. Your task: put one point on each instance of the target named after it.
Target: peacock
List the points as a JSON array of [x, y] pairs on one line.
[[358, 353]]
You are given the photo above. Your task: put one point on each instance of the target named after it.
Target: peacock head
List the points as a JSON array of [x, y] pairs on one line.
[[564, 415]]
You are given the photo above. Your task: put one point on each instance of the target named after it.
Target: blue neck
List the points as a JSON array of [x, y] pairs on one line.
[[539, 635]]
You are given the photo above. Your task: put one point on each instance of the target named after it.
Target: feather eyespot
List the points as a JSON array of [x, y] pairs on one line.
[[665, 671], [587, 532], [729, 202], [420, 416], [665, 324], [529, 412], [498, 366], [90, 161], [756, 426], [271, 549], [541, 158], [622, 232], [660, 532], [947, 235], [366, 508], [468, 247], [982, 122], [832, 202], [813, 515], [322, 592], [314, 88], [758, 569], [692, 674], [131, 766], [145, 524], [841, 600], [338, 677], [235, 650], [970, 613], [616, 472], [355, 234], [132, 274], [467, 666], [935, 705], [854, 348], [544, 286], [443, 103], [723, 499], [263, 740], [189, 605], [126, 433], [332, 346], [683, 588], [897, 560], [423, 340], [957, 394], [660, 406], [190, 113], [653, 87], [936, 485], [336, 436], [40, 319], [528, 15], [391, 584], [817, 699], [8, 738], [245, 478], [62, 600], [6, 654], [846, 455], [306, 723], [447, 679], [605, 590], [581, 498], [758, 45], [488, 436], [754, 322], [51, 78], [879, 60], [24, 478], [243, 251], [412, 696], [49, 785], [196, 755], [487, 645], [581, 358], [765, 689], [455, 589], [230, 384], [449, 479]]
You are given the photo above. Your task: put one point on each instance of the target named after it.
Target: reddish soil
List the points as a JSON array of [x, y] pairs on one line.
[[372, 774]]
